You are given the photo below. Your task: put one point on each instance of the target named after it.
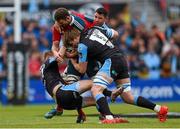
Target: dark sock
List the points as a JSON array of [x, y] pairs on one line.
[[143, 102], [107, 92], [103, 106]]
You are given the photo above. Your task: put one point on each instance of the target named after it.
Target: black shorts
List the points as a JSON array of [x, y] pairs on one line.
[[69, 100], [92, 68], [119, 67], [115, 67]]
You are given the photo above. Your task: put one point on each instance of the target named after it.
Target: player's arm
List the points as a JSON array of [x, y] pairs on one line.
[[115, 34], [81, 65], [55, 45], [111, 33]]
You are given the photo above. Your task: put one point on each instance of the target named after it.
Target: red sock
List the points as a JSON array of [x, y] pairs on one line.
[[59, 108], [80, 112]]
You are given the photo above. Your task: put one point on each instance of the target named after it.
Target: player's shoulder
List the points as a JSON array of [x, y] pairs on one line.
[[74, 13], [55, 29]]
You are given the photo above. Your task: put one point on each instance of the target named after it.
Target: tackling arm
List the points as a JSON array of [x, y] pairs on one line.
[[81, 66], [57, 51]]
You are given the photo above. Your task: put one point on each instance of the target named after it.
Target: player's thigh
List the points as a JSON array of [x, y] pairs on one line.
[[80, 86], [84, 85], [103, 78], [71, 87]]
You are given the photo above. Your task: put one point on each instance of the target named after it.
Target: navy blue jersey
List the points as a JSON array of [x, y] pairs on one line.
[[50, 75], [96, 45]]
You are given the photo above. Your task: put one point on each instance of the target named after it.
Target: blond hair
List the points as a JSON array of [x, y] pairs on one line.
[[69, 36]]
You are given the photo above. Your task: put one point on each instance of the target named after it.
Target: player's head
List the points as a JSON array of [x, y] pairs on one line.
[[100, 16], [71, 38], [62, 17]]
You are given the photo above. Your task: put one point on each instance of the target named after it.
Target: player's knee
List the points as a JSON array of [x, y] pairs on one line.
[[96, 90], [126, 86], [102, 80], [104, 77]]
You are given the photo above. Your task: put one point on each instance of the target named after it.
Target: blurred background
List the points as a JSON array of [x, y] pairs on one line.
[[149, 35]]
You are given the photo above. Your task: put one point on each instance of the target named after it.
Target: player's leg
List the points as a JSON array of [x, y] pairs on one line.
[[71, 75], [70, 99], [77, 88], [92, 68], [81, 116], [122, 79], [101, 82], [140, 101]]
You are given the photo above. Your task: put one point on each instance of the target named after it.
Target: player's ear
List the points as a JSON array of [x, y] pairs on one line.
[[68, 18]]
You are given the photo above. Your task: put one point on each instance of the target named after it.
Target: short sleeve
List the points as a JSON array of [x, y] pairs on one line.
[[82, 50]]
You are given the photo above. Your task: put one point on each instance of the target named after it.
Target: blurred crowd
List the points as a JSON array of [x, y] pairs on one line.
[[151, 53]]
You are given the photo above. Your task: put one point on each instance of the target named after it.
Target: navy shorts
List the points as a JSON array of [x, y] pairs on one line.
[[116, 67], [68, 99]]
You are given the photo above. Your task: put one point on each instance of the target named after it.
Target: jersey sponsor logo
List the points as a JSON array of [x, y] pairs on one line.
[[98, 36], [114, 72]]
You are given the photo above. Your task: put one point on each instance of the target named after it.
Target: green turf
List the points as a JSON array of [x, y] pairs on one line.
[[31, 116]]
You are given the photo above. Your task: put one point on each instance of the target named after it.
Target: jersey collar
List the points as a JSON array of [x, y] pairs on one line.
[[72, 21]]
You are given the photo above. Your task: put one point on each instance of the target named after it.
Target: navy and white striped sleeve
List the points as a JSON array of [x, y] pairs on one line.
[[78, 23]]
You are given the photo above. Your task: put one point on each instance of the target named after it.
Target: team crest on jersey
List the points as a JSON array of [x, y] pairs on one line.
[[114, 72]]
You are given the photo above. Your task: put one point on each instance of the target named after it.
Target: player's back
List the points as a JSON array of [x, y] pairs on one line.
[[50, 75], [99, 47]]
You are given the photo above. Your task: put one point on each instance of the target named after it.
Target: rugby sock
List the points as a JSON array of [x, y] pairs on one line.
[[157, 108], [143, 102], [59, 108], [107, 92], [80, 112], [102, 104]]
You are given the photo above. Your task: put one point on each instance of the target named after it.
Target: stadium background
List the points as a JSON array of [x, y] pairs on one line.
[[149, 35]]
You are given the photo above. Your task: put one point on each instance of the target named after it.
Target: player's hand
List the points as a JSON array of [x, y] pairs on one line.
[[58, 57]]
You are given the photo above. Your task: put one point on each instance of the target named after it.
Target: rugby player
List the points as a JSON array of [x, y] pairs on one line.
[[66, 95], [65, 20], [96, 45]]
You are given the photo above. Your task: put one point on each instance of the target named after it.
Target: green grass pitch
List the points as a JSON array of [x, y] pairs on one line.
[[32, 116]]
